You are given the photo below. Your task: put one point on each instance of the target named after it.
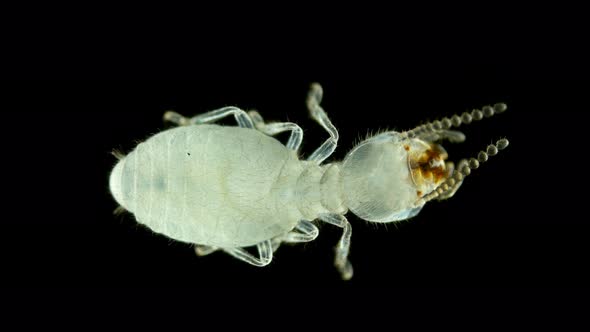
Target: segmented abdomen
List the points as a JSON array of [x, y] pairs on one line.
[[158, 181], [213, 185]]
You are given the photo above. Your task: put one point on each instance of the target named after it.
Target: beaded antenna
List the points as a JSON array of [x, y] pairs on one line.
[[440, 129]]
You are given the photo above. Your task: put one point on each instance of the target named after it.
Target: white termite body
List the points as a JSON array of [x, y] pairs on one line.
[[227, 188], [216, 185]]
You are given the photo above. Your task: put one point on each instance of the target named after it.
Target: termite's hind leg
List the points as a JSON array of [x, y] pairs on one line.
[[202, 250], [272, 129], [241, 117]]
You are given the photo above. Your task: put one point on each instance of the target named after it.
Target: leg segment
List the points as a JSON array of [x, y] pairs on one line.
[[276, 243], [242, 118], [264, 254], [341, 261], [318, 114], [257, 119], [201, 250], [272, 129], [305, 231], [176, 118]]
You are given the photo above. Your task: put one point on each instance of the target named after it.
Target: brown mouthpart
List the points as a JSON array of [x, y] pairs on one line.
[[429, 165]]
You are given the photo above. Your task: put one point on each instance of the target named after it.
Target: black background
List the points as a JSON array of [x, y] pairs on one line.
[[74, 91], [80, 82], [514, 223]]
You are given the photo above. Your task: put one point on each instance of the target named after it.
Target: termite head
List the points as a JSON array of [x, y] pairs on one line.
[[377, 182], [391, 176]]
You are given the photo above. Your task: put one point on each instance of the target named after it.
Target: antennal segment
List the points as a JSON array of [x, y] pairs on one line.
[[448, 188], [439, 129]]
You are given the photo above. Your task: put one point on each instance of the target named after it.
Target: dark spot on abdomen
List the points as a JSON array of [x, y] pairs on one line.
[[159, 183]]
